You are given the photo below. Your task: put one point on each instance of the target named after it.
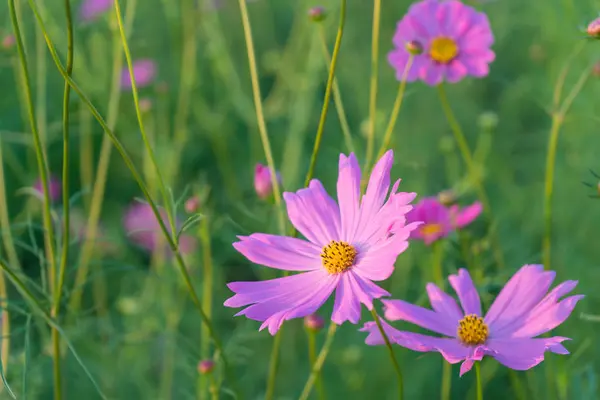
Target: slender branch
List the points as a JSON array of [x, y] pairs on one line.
[[388, 344], [316, 368], [374, 81]]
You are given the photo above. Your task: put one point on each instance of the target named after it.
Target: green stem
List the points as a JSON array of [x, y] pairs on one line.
[[387, 139], [316, 368], [337, 97], [478, 378], [262, 126], [373, 81], [312, 356], [173, 245], [313, 160], [446, 380], [388, 344], [437, 262], [558, 118], [207, 289], [465, 151]]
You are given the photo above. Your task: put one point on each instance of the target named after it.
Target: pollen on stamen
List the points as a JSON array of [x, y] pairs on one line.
[[443, 49], [337, 257], [472, 330]]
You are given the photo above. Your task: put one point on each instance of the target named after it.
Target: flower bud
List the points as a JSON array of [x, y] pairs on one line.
[[593, 29], [447, 197], [192, 204], [317, 14], [314, 322], [414, 47], [488, 121], [205, 367], [8, 42], [262, 181], [54, 188]]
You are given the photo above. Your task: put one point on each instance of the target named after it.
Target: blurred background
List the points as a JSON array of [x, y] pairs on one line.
[[126, 309]]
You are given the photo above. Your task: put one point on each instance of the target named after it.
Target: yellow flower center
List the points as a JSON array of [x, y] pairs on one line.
[[472, 330], [431, 229], [338, 256], [443, 49]]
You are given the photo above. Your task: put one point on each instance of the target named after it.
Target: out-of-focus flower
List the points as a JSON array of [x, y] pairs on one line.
[[262, 181], [145, 104], [317, 14], [8, 42], [522, 311], [456, 42], [314, 322], [596, 69], [206, 366], [488, 120], [349, 245], [144, 72], [54, 188], [438, 220], [593, 29], [192, 205], [143, 229], [92, 9]]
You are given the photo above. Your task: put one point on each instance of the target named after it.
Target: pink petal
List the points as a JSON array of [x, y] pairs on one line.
[[432, 74], [347, 304], [444, 304], [400, 310], [281, 252], [522, 292], [466, 291], [326, 207], [455, 71], [546, 320], [348, 191], [374, 338], [517, 354], [365, 290], [468, 214], [377, 190]]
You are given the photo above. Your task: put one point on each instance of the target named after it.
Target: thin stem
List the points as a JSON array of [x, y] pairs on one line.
[[387, 139], [316, 368], [373, 81], [337, 96], [149, 149], [173, 245], [312, 357], [478, 378], [309, 174], [471, 168], [328, 89], [446, 380], [392, 356], [558, 118], [262, 126], [207, 288], [43, 172], [437, 262]]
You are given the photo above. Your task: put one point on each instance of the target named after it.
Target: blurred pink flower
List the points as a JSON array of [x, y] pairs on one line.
[[143, 229], [78, 230], [144, 72], [92, 9], [8, 41], [593, 28], [456, 42], [262, 181], [438, 220], [54, 188]]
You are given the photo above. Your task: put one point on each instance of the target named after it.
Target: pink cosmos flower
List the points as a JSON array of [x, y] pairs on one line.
[[144, 72], [144, 230], [438, 220], [92, 9], [262, 181], [523, 310], [456, 41], [54, 188], [593, 28], [349, 244]]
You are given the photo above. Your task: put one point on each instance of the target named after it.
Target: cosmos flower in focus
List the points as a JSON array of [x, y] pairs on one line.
[[439, 220], [350, 243], [523, 310], [92, 9], [455, 38], [54, 188], [144, 72], [263, 185], [143, 229]]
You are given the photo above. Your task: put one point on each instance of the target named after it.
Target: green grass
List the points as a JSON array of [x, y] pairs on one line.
[[137, 332]]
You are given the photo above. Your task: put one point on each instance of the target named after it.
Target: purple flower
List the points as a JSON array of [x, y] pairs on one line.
[[262, 181], [523, 310], [92, 9], [456, 42], [8, 41], [349, 244], [54, 188], [144, 72], [593, 28], [438, 220], [144, 230]]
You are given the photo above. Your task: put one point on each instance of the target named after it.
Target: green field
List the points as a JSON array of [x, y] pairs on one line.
[[128, 326]]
